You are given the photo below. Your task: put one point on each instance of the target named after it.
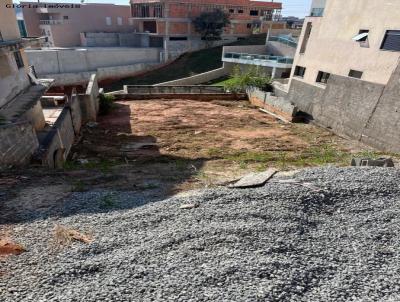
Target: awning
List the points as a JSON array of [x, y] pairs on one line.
[[361, 37]]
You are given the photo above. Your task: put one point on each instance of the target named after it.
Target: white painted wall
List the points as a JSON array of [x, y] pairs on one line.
[[60, 61]]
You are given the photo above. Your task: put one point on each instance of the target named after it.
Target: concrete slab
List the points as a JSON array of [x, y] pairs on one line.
[[51, 114], [254, 179]]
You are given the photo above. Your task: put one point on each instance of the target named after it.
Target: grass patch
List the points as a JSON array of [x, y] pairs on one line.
[[104, 165], [187, 65]]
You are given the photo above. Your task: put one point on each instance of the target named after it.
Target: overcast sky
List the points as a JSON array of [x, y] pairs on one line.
[[297, 8]]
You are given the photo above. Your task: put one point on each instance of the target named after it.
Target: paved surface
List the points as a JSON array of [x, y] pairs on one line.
[[336, 238]]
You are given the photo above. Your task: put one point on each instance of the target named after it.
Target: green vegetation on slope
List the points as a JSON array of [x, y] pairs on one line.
[[187, 65]]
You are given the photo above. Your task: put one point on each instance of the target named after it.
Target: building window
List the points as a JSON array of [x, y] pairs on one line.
[[65, 17], [232, 11], [323, 77], [317, 12], [248, 25], [299, 71], [178, 38], [240, 11], [391, 40], [119, 21], [254, 13], [158, 11], [307, 34], [362, 38], [355, 74], [18, 59], [108, 21]]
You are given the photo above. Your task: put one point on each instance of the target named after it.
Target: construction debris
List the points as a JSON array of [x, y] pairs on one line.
[[189, 206], [8, 247], [369, 162], [254, 179], [66, 236]]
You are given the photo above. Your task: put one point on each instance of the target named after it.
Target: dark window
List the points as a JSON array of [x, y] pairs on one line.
[[178, 38], [306, 37], [1, 37], [150, 26], [391, 40], [355, 74], [18, 59], [323, 77], [248, 25], [65, 17], [299, 71], [363, 31], [254, 13], [232, 11], [240, 11]]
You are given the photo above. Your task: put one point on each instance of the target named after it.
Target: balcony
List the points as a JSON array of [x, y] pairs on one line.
[[51, 22], [257, 59], [284, 40]]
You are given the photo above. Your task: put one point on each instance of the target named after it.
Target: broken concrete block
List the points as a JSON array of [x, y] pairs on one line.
[[254, 179], [189, 206], [369, 162]]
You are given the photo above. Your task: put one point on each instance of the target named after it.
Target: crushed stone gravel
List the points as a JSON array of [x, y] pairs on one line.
[[280, 242]]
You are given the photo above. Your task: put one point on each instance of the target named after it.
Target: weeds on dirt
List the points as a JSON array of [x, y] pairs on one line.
[[106, 103], [79, 186], [65, 236], [104, 165]]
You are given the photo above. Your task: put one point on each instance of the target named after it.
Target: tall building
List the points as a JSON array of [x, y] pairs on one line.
[[63, 23], [172, 20], [346, 70]]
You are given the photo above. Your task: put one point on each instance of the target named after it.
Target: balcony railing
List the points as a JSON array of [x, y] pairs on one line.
[[51, 22], [258, 58], [284, 40]]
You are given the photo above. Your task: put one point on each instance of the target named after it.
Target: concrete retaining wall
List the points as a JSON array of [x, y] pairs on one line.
[[365, 111], [274, 104], [107, 73], [202, 77], [18, 143], [115, 39]]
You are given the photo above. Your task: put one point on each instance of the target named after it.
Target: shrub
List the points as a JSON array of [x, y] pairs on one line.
[[106, 103], [252, 77]]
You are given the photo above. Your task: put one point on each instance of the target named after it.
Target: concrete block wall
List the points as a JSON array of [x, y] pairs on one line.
[[59, 141], [274, 104], [18, 143], [361, 110]]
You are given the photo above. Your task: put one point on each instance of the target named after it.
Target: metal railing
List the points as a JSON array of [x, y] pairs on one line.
[[283, 40], [51, 22], [256, 57]]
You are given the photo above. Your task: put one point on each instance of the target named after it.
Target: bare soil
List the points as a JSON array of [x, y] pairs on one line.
[[171, 146]]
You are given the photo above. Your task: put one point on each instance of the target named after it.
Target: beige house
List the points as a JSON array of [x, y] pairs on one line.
[[349, 38], [63, 23], [13, 62], [346, 70]]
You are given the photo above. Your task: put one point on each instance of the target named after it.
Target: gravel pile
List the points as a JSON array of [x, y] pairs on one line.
[[334, 238]]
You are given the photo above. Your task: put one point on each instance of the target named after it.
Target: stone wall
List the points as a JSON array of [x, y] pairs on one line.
[[18, 143]]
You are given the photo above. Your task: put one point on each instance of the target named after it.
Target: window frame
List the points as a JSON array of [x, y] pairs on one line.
[[252, 11], [358, 72], [322, 77], [299, 71], [108, 19], [384, 40], [18, 59]]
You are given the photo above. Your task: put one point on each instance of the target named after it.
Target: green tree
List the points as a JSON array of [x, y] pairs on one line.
[[210, 25]]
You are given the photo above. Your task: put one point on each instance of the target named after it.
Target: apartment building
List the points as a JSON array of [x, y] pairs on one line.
[[13, 61], [346, 69], [63, 23], [171, 20]]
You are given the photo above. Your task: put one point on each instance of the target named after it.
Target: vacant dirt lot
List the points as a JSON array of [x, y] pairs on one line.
[[185, 144]]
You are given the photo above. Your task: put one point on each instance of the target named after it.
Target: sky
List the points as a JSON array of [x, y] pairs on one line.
[[298, 8]]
